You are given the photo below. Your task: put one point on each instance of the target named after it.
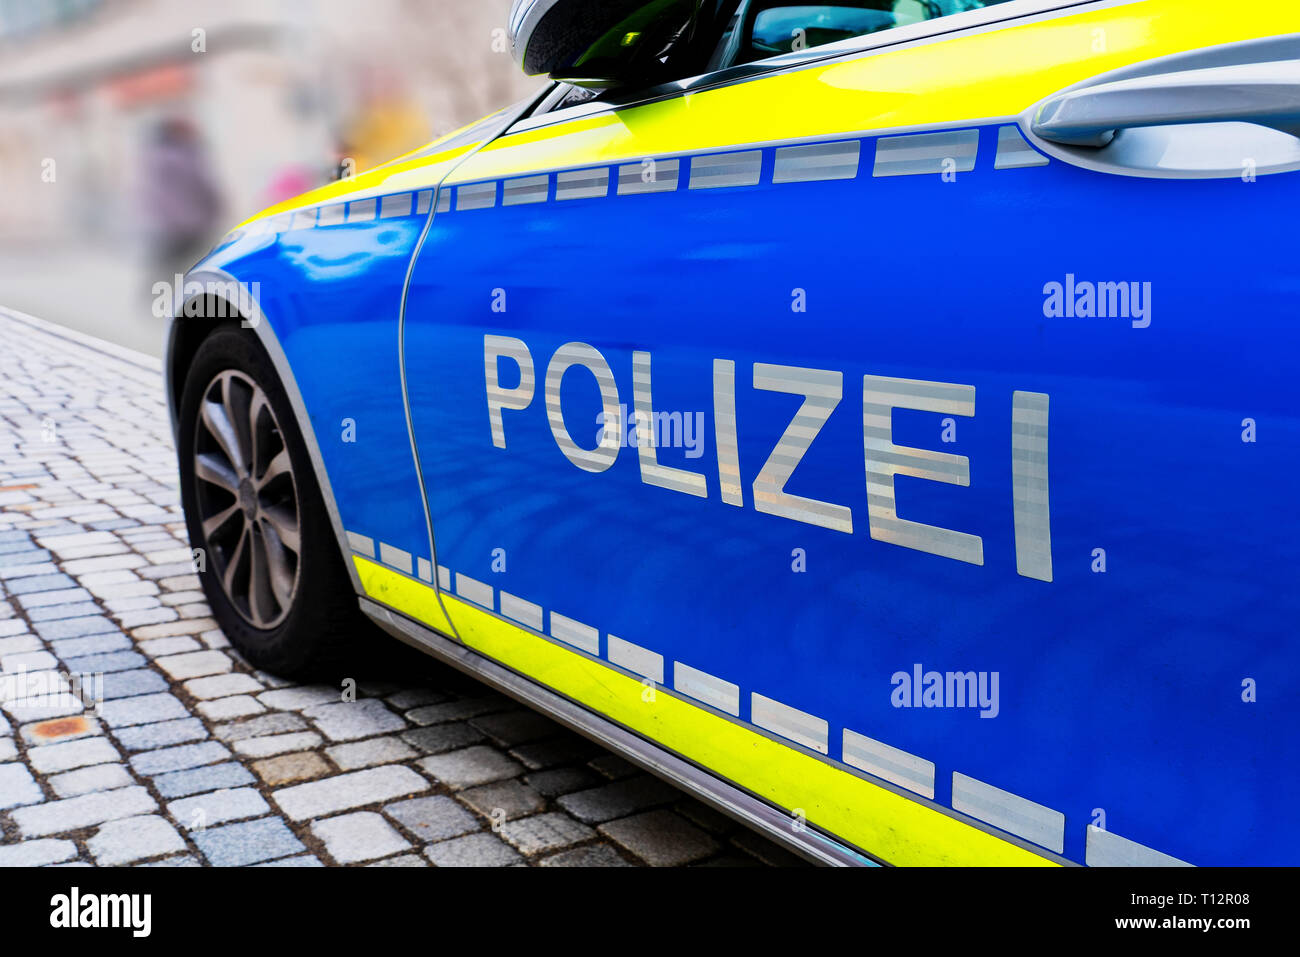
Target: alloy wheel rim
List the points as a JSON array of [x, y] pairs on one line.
[[247, 499]]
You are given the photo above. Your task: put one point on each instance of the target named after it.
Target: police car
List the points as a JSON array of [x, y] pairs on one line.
[[877, 417]]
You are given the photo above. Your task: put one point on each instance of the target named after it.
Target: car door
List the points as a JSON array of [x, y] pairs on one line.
[[962, 532]]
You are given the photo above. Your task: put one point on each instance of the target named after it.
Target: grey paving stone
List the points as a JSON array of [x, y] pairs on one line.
[[66, 755], [402, 860], [409, 698], [93, 645], [145, 709], [197, 780], [206, 810], [17, 643], [618, 799], [261, 725], [295, 699], [545, 832], [223, 686], [179, 758], [134, 839], [559, 781], [8, 750], [29, 661], [765, 851], [433, 818], [352, 720], [459, 710], [17, 786], [60, 730], [236, 845], [593, 855], [36, 853], [26, 586], [197, 664], [363, 836], [110, 662], [269, 745], [661, 838], [99, 777], [470, 767], [516, 727], [346, 791], [227, 709], [145, 737], [183, 860], [366, 754], [160, 647], [62, 612], [302, 860], [613, 767], [440, 738], [127, 684], [555, 752], [503, 801], [72, 814], [76, 628], [473, 850]]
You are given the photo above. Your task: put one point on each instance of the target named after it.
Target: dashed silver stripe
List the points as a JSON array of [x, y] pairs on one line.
[[305, 218], [526, 189], [920, 153], [424, 570], [817, 161], [444, 200], [1110, 850], [726, 169], [582, 184], [524, 612], [649, 176], [473, 589], [444, 578], [424, 199], [395, 205], [476, 196], [575, 633], [361, 545], [642, 661], [891, 764], [395, 557], [1033, 516], [333, 215], [1010, 812], [1014, 152], [703, 686], [362, 211], [806, 729]]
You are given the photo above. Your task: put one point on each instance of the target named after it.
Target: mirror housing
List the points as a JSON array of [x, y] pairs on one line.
[[598, 44]]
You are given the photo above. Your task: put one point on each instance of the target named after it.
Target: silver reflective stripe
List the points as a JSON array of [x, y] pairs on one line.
[[899, 767], [424, 570], [476, 196], [361, 545], [1012, 813], [726, 169], [642, 661], [880, 396], [1014, 152], [423, 200], [724, 414], [822, 390], [582, 184], [1110, 850], [332, 215], [475, 590], [444, 199], [575, 633], [649, 176], [524, 612], [397, 205], [444, 578], [526, 189], [304, 218], [798, 726], [1033, 517], [702, 686], [395, 557], [362, 211], [817, 161], [281, 223], [919, 153], [652, 473]]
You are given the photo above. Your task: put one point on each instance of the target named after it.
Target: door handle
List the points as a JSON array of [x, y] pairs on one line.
[[1266, 94]]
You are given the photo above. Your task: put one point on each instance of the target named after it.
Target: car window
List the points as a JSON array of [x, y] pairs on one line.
[[766, 28]]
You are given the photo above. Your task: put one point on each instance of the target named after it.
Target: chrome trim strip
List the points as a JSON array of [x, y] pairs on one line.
[[664, 176], [799, 726], [1014, 151], [1008, 811], [424, 570], [523, 611], [817, 161], [395, 205], [471, 589], [922, 153], [642, 661], [582, 184], [717, 170], [703, 686], [526, 189], [575, 633], [363, 210], [334, 214], [476, 196], [880, 759], [396, 558]]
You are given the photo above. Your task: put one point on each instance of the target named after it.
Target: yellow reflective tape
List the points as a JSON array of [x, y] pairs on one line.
[[405, 594], [896, 829], [978, 76]]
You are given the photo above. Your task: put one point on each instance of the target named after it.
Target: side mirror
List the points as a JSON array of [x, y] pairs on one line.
[[599, 44]]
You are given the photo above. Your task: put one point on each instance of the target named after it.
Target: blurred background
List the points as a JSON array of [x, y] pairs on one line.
[[134, 133]]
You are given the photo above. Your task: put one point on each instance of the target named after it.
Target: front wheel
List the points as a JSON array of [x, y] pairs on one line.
[[268, 558]]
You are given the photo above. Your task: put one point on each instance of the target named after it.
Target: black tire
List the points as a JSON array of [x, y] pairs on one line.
[[310, 634]]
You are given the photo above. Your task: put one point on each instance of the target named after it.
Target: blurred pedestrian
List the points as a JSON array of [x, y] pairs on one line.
[[181, 205]]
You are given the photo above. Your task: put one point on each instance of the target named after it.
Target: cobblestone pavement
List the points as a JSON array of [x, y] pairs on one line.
[[192, 757]]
